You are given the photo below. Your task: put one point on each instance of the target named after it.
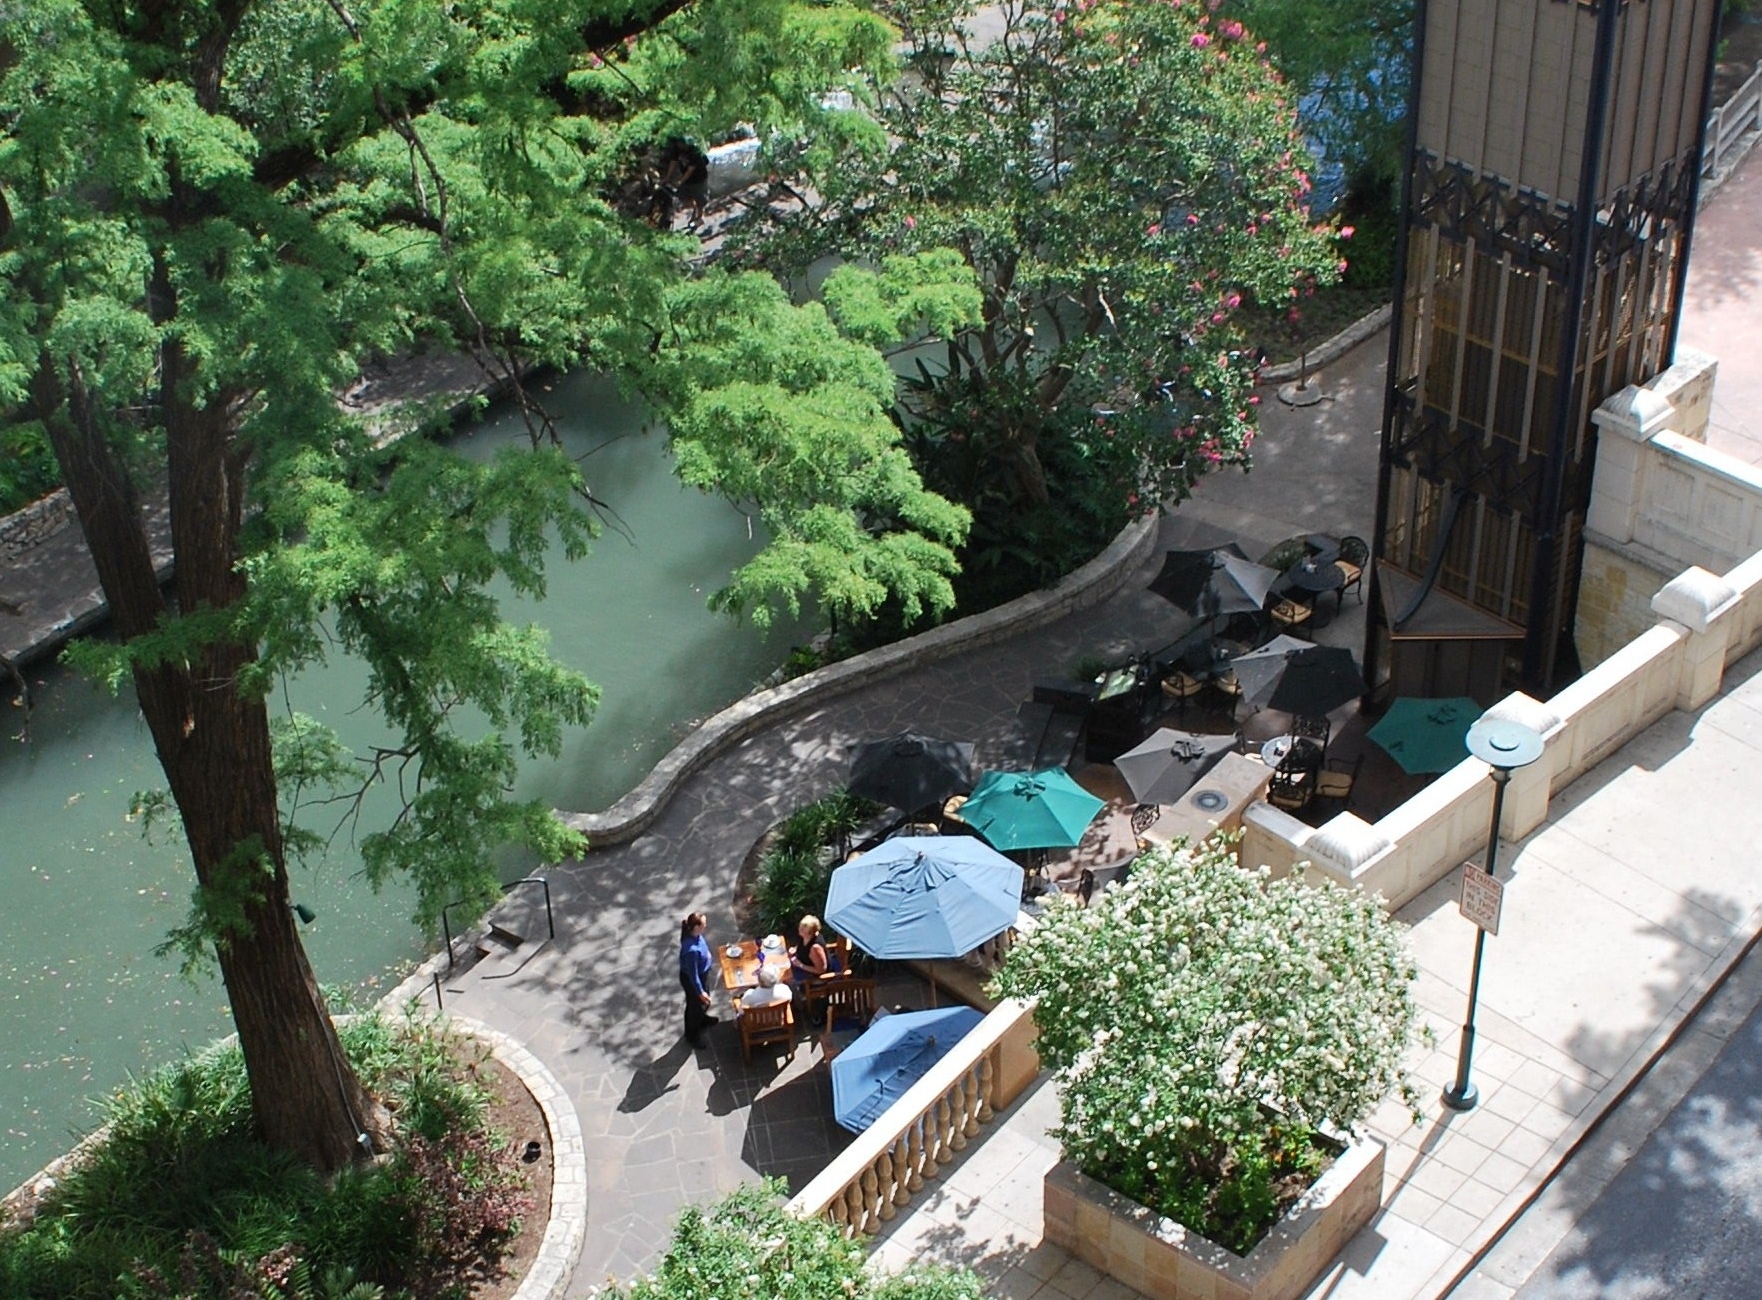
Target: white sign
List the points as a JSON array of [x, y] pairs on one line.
[[1482, 897]]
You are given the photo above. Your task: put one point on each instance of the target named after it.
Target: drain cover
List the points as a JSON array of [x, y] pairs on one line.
[[1211, 800]]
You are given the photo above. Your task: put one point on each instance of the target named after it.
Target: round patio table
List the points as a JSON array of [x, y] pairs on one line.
[[1314, 576], [1289, 751]]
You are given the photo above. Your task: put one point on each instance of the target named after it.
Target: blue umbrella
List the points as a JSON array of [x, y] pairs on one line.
[[889, 1057], [1426, 735], [925, 896], [1030, 810]]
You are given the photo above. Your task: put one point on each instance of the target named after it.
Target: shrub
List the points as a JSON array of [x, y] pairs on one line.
[[747, 1246], [796, 871], [1206, 1023], [180, 1199]]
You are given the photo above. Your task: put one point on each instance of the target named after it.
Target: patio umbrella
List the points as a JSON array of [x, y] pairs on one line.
[[1165, 766], [911, 771], [1425, 735], [889, 1057], [1313, 679], [1209, 584], [1030, 810], [925, 896]]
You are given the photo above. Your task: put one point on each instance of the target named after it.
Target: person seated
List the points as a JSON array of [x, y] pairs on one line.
[[771, 989], [809, 959]]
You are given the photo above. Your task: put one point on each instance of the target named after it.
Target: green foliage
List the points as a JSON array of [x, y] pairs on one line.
[[796, 871], [27, 467], [1206, 1022], [747, 1246], [178, 1198], [1120, 176]]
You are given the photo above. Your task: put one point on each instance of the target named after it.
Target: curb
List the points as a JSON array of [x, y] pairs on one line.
[[1331, 350], [1663, 1036], [554, 1266], [1081, 589]]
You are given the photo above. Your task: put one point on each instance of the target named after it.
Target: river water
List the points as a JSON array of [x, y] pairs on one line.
[[85, 897]]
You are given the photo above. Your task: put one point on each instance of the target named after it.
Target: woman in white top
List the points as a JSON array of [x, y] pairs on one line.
[[769, 991]]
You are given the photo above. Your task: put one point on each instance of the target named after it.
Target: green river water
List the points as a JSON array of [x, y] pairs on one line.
[[85, 898]]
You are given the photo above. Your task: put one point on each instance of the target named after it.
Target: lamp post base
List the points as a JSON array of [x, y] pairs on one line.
[[1461, 1097]]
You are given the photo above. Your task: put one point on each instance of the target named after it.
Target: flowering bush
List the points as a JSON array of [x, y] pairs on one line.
[[1205, 1022]]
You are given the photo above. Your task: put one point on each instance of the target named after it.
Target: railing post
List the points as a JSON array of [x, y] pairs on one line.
[[447, 934], [439, 1002]]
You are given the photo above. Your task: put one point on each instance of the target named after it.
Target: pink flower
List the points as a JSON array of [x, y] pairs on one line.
[[1153, 230], [1200, 40], [1192, 218], [1232, 30], [911, 223], [1218, 318], [1346, 232], [1233, 301], [1254, 399], [1293, 315]]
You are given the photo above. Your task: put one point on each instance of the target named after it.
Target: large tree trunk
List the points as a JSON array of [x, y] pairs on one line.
[[213, 742]]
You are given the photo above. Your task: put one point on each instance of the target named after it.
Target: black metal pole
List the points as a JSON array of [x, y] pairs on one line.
[[1462, 1095]]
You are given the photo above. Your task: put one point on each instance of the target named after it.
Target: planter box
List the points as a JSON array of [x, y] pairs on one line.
[[1163, 1260]]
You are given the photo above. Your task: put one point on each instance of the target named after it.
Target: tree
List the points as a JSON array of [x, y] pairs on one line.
[[212, 214], [1121, 176]]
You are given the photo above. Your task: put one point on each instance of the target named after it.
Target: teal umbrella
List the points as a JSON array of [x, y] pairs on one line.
[[1426, 735], [1030, 810]]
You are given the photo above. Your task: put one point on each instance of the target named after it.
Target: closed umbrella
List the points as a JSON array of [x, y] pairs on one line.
[[911, 771], [924, 896], [1426, 735], [1166, 765], [1312, 679], [1030, 810], [890, 1056], [1209, 584]]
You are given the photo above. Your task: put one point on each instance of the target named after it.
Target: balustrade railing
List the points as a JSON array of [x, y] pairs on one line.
[[1729, 125], [889, 1163]]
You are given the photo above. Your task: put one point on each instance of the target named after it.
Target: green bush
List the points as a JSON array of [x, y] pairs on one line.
[[27, 466], [180, 1199], [748, 1247], [796, 871]]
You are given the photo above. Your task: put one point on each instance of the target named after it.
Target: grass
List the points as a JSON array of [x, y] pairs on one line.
[[179, 1198]]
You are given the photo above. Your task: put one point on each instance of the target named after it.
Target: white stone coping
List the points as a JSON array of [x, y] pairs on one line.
[[1089, 585], [554, 1265]]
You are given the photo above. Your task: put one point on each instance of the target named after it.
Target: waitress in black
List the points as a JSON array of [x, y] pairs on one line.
[[695, 965]]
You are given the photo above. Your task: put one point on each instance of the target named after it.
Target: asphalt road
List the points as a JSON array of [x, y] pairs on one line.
[[1682, 1215]]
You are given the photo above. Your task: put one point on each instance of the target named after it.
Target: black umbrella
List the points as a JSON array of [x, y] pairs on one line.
[[1209, 584], [1166, 765], [1312, 679], [910, 771]]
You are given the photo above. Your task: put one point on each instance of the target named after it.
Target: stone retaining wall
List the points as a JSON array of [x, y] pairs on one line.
[[30, 527]]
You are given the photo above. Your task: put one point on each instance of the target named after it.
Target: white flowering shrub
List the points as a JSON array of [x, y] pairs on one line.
[[1205, 1021]]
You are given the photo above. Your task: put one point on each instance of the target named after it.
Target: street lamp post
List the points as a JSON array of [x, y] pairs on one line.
[[1505, 747]]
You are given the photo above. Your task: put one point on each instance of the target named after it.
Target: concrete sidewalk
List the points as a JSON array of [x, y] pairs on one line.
[[1622, 913]]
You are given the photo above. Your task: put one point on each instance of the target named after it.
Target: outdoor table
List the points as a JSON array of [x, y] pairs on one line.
[[1323, 549], [1316, 578], [741, 971], [1289, 751]]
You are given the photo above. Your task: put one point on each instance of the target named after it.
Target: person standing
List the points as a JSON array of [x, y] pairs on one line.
[[695, 965]]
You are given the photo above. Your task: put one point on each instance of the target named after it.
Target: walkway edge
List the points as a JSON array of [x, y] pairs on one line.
[[554, 1266], [1080, 589], [1332, 349], [1711, 979]]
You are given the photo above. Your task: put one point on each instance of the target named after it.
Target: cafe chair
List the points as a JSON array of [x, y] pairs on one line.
[[1227, 690], [815, 992], [1180, 687], [1320, 730], [850, 1006], [1292, 617], [1334, 781], [1291, 788], [769, 1024], [1354, 555]]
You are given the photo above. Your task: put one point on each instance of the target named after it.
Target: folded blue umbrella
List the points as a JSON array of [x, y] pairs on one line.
[[924, 896], [889, 1056]]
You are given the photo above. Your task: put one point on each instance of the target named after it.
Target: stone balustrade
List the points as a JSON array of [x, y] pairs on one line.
[[889, 1163]]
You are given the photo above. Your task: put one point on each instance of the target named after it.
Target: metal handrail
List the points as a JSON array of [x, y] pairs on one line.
[[510, 887]]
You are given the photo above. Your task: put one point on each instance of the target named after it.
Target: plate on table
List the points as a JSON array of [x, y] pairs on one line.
[[733, 950], [773, 942]]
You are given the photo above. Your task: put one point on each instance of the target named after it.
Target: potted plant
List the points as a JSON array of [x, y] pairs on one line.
[[1218, 1036]]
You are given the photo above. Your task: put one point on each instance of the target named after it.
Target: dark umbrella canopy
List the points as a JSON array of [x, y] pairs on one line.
[[1168, 764], [1208, 584], [911, 771], [1426, 735], [1258, 671], [1314, 679]]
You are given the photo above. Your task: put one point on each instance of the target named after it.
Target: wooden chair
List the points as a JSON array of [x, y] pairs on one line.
[[814, 992], [1292, 616], [1291, 788], [769, 1024], [850, 1006], [1335, 780], [1354, 554], [1180, 687]]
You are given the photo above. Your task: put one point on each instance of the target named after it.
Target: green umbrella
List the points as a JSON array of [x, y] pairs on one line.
[[1426, 735], [1030, 810]]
